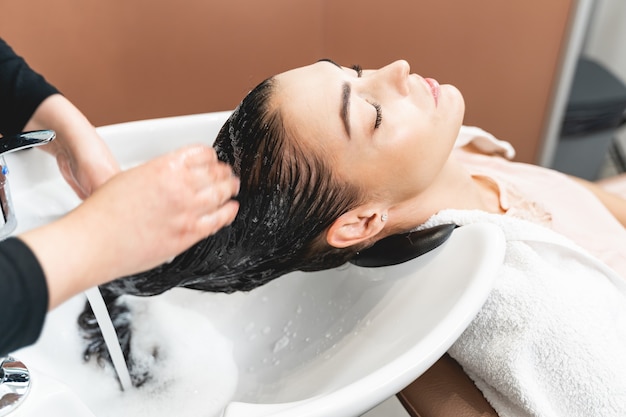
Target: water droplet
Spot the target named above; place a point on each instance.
(281, 344)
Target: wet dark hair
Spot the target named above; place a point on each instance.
(288, 198)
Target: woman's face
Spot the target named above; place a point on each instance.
(385, 130)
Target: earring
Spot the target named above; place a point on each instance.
(383, 217)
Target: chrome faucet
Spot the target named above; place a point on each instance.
(8, 222)
(14, 384)
(14, 376)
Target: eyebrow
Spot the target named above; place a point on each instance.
(345, 106)
(331, 61)
(346, 89)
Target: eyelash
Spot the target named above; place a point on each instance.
(379, 115)
(379, 110)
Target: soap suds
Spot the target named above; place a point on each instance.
(192, 366)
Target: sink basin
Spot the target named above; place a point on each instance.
(331, 343)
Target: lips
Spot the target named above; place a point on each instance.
(434, 88)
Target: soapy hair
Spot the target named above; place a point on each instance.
(288, 198)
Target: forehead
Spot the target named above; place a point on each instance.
(309, 98)
(318, 70)
(309, 84)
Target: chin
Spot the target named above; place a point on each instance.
(457, 103)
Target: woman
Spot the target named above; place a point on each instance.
(354, 152)
(332, 159)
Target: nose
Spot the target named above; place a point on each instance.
(397, 75)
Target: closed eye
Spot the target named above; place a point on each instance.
(379, 115)
(377, 107)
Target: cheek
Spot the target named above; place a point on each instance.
(419, 162)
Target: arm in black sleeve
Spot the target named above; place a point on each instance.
(21, 91)
(23, 296)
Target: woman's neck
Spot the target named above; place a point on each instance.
(454, 188)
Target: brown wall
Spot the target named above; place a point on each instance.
(122, 60)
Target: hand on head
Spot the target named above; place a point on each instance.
(165, 205)
(137, 220)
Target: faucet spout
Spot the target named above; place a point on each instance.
(25, 140)
(8, 222)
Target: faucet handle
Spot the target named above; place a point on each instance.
(25, 140)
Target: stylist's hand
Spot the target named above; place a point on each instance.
(87, 165)
(137, 220)
(84, 159)
(159, 209)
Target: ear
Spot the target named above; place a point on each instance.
(354, 226)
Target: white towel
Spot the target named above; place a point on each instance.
(485, 141)
(551, 338)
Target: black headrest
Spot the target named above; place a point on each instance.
(396, 249)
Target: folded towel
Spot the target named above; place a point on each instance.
(484, 141)
(551, 338)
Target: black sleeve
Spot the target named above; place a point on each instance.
(21, 91)
(23, 296)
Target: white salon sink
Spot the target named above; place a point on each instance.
(333, 343)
